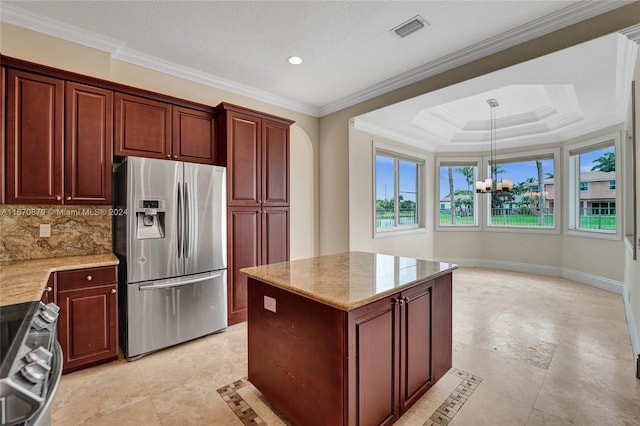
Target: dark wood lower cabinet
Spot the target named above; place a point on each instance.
(255, 236)
(87, 326)
(321, 365)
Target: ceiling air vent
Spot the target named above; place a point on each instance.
(410, 26)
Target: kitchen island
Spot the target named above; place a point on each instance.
(353, 338)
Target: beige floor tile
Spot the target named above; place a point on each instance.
(487, 407)
(136, 414)
(540, 418)
(195, 403)
(97, 391)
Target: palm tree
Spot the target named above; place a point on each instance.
(605, 163)
(467, 172)
(451, 195)
(542, 202)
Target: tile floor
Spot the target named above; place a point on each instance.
(540, 350)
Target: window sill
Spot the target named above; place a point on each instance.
(602, 235)
(399, 232)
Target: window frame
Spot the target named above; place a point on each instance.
(572, 177)
(477, 200)
(521, 157)
(401, 154)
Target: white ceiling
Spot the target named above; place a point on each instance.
(553, 98)
(349, 52)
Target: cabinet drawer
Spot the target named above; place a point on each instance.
(68, 280)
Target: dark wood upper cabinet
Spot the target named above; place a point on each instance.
(142, 127)
(244, 166)
(193, 135)
(35, 153)
(88, 144)
(275, 163)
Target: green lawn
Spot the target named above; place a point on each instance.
(586, 222)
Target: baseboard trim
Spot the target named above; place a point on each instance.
(633, 331)
(553, 271)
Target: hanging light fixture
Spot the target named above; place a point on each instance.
(491, 184)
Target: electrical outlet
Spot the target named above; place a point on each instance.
(45, 230)
(270, 303)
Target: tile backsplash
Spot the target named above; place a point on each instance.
(75, 230)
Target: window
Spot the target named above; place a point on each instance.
(397, 187)
(457, 197)
(592, 184)
(531, 204)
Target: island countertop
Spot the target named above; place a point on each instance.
(25, 280)
(349, 280)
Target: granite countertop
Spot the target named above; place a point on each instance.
(349, 280)
(25, 280)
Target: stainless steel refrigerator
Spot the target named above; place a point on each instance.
(170, 237)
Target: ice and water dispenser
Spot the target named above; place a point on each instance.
(150, 216)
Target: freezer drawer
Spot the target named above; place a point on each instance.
(167, 312)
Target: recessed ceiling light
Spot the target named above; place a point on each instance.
(294, 60)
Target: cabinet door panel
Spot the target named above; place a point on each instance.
(87, 326)
(244, 165)
(275, 164)
(243, 251)
(34, 139)
(193, 135)
(373, 365)
(442, 315)
(275, 235)
(143, 127)
(89, 142)
(415, 368)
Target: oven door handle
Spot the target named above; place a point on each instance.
(177, 283)
(42, 416)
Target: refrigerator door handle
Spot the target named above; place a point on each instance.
(177, 283)
(187, 220)
(180, 219)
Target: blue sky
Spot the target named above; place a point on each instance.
(517, 172)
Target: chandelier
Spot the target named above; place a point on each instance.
(491, 184)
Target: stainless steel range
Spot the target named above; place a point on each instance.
(30, 362)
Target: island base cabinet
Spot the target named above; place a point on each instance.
(296, 354)
(322, 365)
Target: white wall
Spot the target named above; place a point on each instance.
(631, 292)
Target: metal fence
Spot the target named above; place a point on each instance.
(601, 218)
(385, 218)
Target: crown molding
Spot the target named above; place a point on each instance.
(633, 33)
(144, 60)
(568, 16)
(42, 24)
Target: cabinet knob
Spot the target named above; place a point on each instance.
(68, 198)
(49, 289)
(89, 277)
(58, 198)
(175, 155)
(113, 290)
(168, 155)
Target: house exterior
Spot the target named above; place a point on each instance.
(597, 193)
